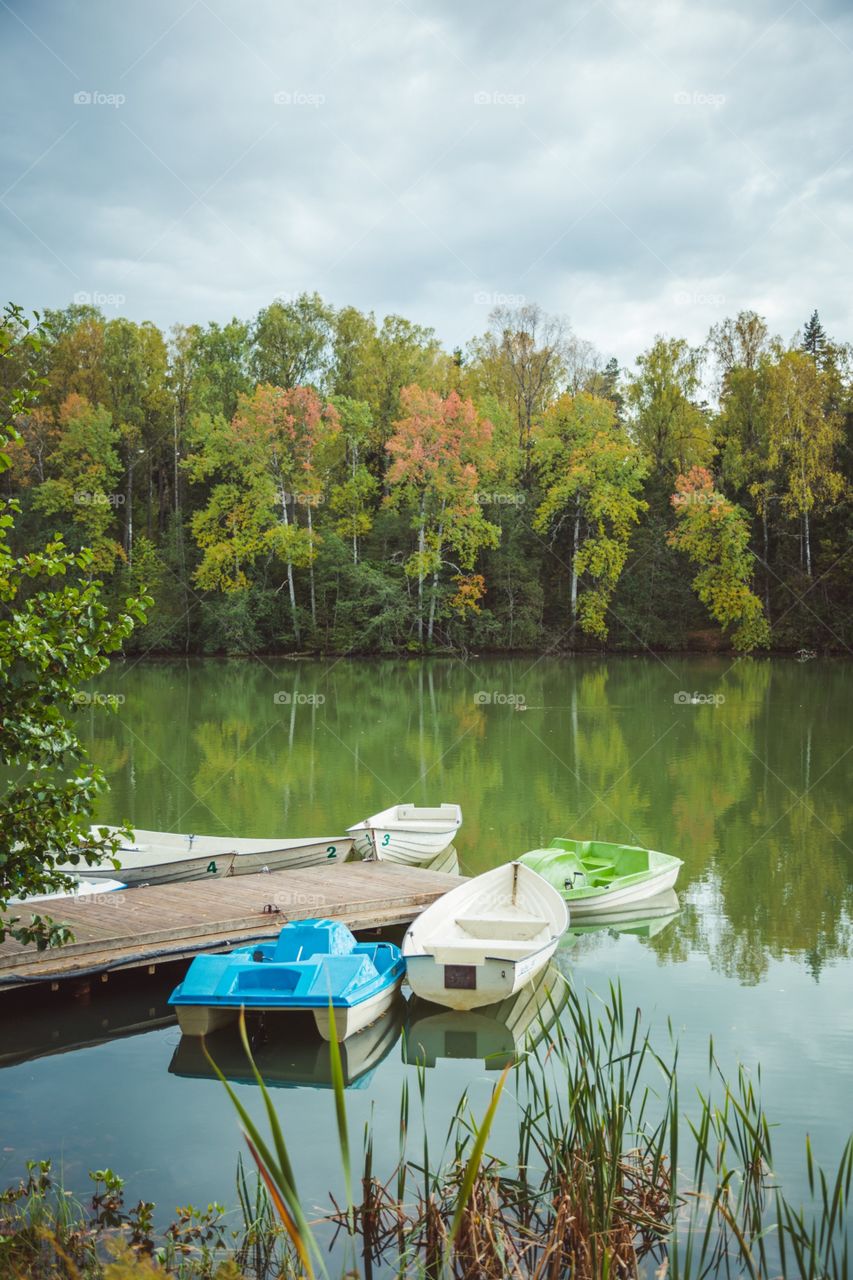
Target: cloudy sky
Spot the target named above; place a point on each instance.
(638, 168)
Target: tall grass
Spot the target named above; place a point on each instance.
(611, 1178)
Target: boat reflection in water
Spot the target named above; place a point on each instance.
(497, 1034)
(656, 915)
(288, 1052)
(646, 920)
(93, 1018)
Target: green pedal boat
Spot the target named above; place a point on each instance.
(595, 877)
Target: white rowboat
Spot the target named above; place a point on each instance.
(159, 857)
(407, 833)
(485, 940)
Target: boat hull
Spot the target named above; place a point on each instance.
(203, 1020)
(626, 899)
(411, 835)
(209, 857)
(409, 848)
(493, 980)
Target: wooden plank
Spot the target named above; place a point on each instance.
(133, 925)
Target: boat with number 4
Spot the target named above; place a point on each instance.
(597, 878)
(485, 940)
(408, 833)
(159, 857)
(313, 965)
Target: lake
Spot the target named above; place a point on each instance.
(740, 768)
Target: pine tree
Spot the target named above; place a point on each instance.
(814, 339)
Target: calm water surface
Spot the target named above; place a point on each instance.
(741, 769)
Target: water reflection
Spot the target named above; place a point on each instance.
(93, 1018)
(289, 1052)
(498, 1034)
(748, 788)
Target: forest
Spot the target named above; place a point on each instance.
(315, 480)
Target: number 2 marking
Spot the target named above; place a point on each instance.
(331, 850)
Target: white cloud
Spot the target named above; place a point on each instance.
(639, 169)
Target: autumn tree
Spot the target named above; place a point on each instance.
(714, 533)
(592, 475)
(437, 451)
(268, 463)
(84, 471)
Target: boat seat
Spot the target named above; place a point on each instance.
(598, 871)
(476, 950)
(514, 926)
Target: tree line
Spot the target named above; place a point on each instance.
(316, 480)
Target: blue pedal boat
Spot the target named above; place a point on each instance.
(311, 962)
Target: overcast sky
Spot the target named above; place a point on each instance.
(636, 167)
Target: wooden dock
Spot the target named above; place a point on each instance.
(157, 924)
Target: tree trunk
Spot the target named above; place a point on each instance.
(421, 547)
(574, 589)
(129, 547)
(766, 562)
(175, 457)
(807, 542)
(311, 571)
(435, 585)
(354, 534)
(290, 586)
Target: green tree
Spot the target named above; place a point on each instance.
(814, 341)
(55, 632)
(522, 360)
(669, 425)
(714, 533)
(803, 440)
(592, 474)
(291, 342)
(353, 499)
